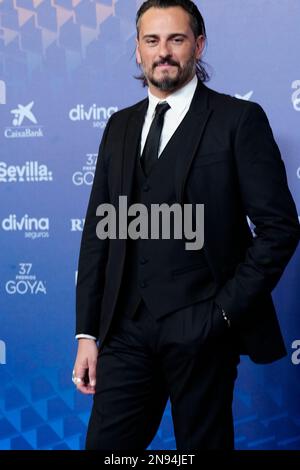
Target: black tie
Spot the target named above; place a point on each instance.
(150, 152)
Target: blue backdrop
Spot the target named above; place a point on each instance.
(65, 67)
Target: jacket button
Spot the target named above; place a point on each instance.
(143, 284)
(143, 260)
(146, 187)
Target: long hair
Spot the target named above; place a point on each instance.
(196, 22)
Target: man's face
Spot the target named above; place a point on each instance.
(167, 49)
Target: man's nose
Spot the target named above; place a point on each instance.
(164, 49)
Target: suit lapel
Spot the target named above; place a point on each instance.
(191, 128)
(131, 147)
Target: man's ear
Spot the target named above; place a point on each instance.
(137, 52)
(200, 44)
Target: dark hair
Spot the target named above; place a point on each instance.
(196, 22)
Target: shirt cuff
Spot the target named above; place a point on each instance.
(85, 336)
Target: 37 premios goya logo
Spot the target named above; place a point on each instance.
(26, 282)
(86, 175)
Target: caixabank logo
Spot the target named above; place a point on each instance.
(24, 123)
(25, 282)
(30, 172)
(30, 227)
(85, 176)
(96, 115)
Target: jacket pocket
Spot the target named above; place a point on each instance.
(210, 158)
(187, 269)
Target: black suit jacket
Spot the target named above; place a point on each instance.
(232, 165)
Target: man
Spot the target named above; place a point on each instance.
(172, 322)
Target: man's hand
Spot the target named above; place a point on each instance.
(85, 366)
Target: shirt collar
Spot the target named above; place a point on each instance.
(178, 101)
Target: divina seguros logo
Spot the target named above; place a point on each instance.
(98, 115)
(32, 228)
(30, 172)
(25, 282)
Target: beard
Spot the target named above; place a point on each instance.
(167, 83)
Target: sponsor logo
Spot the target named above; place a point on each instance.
(2, 92)
(23, 114)
(296, 353)
(296, 95)
(245, 97)
(2, 352)
(77, 225)
(86, 175)
(25, 282)
(31, 227)
(30, 172)
(98, 115)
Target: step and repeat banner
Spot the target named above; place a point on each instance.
(65, 67)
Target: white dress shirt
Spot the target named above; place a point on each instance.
(179, 102)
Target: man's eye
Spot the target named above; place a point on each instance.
(177, 40)
(151, 42)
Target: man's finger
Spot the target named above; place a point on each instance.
(85, 389)
(80, 372)
(92, 374)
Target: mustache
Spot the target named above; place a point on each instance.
(165, 62)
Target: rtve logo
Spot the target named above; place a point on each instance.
(77, 225)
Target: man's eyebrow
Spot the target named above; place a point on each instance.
(171, 36)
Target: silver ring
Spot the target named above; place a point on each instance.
(75, 380)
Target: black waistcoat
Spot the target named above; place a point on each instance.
(161, 271)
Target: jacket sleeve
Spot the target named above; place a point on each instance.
(93, 251)
(268, 203)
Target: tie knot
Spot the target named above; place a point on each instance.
(161, 108)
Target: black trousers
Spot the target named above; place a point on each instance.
(188, 356)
